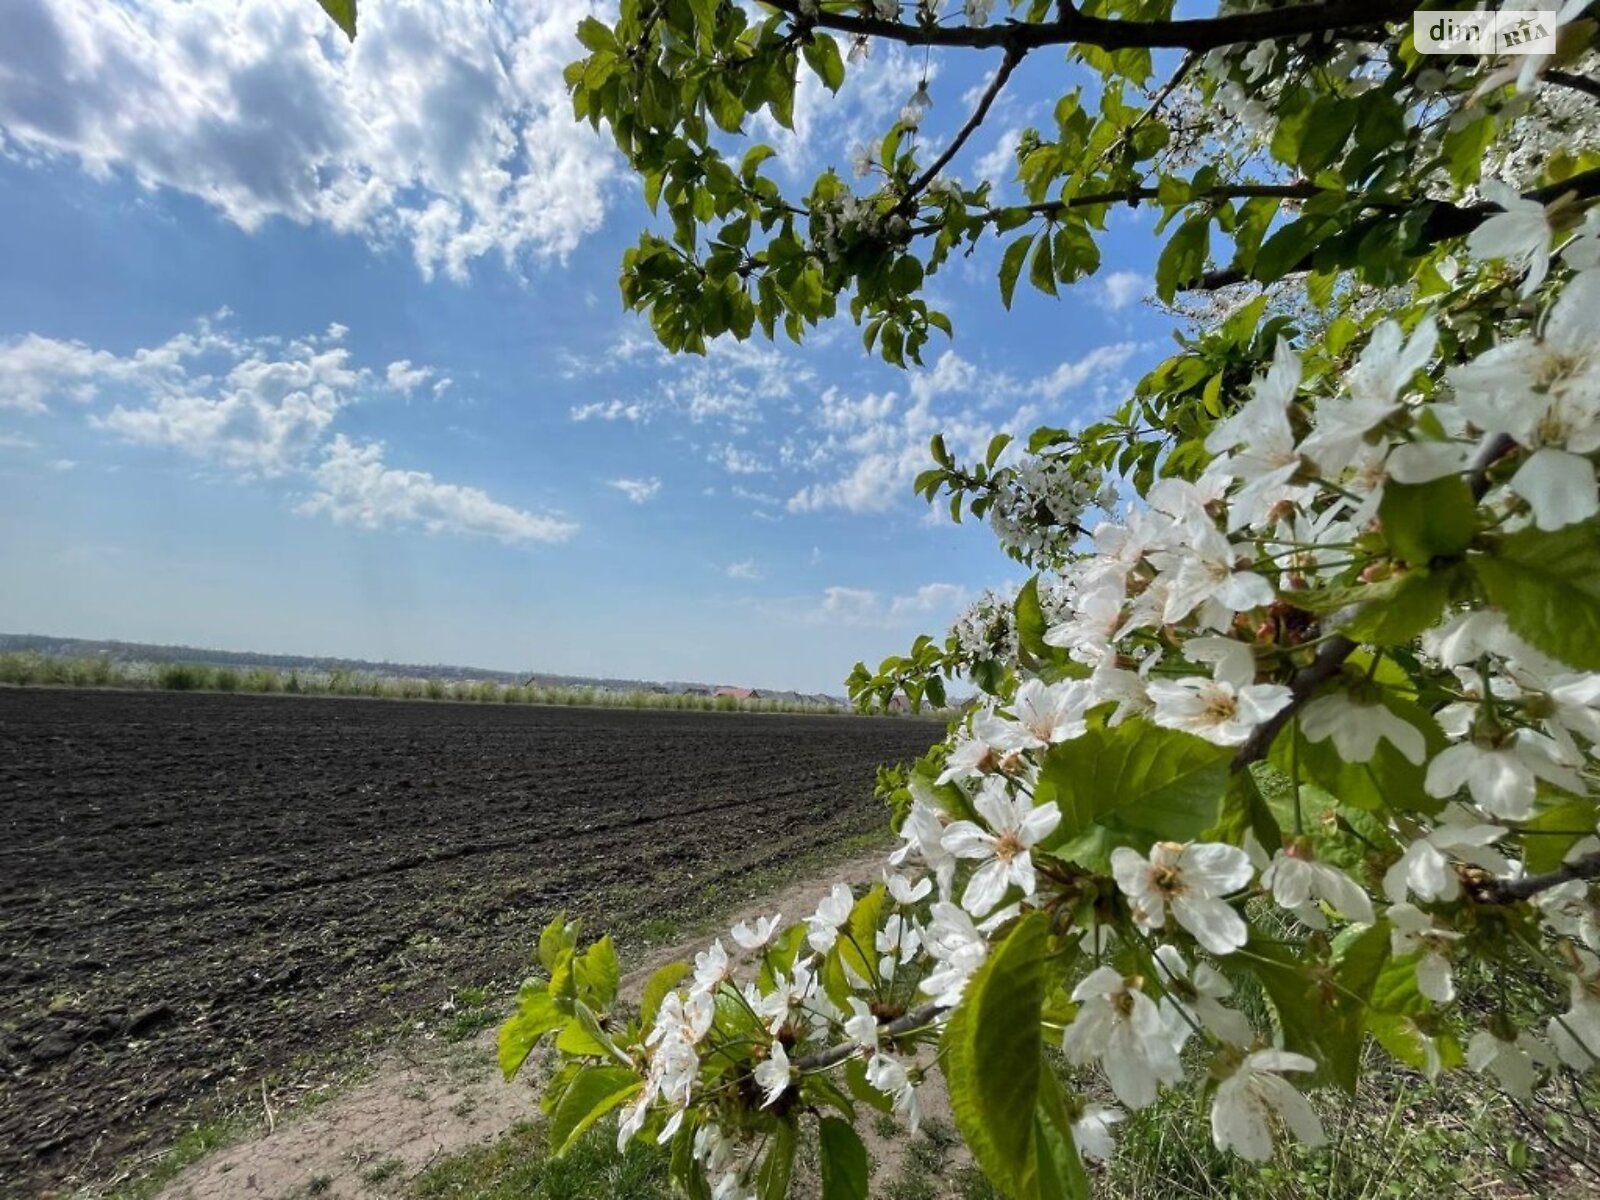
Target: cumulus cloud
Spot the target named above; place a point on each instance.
(868, 449)
(864, 606)
(739, 462)
(264, 407)
(607, 410)
(1096, 366)
(405, 378)
(745, 569)
(1000, 163)
(640, 491)
(355, 486)
(445, 127)
(17, 441)
(1123, 288)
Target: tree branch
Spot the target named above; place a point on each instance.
(1508, 891)
(1578, 83)
(1073, 27)
(1338, 648)
(834, 1055)
(1445, 220)
(1007, 65)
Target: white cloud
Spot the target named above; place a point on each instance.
(405, 378)
(1123, 288)
(739, 462)
(266, 415)
(446, 127)
(607, 410)
(863, 606)
(640, 491)
(867, 450)
(745, 569)
(264, 407)
(1094, 366)
(1000, 163)
(354, 486)
(16, 441)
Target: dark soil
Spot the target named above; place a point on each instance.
(202, 893)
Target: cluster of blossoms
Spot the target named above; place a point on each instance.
(841, 222)
(986, 631)
(1040, 506)
(1193, 617)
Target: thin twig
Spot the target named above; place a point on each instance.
(1007, 65)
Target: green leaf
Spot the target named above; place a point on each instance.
(593, 1093)
(343, 13)
(1042, 270)
(599, 973)
(1413, 605)
(1011, 267)
(1549, 586)
(1425, 521)
(1137, 776)
(844, 1161)
(1059, 1172)
(1322, 1013)
(536, 1016)
(772, 1180)
(1183, 258)
(558, 938)
(1030, 621)
(822, 52)
(1549, 835)
(655, 991)
(994, 1052)
(1389, 780)
(1245, 810)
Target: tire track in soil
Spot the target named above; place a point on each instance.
(199, 892)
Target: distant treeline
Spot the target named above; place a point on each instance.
(31, 668)
(144, 654)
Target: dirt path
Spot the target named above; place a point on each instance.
(428, 1102)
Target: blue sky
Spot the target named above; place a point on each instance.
(307, 349)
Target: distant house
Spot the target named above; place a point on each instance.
(738, 693)
(899, 703)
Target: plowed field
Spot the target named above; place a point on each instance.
(200, 892)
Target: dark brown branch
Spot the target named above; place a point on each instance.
(1355, 17)
(996, 86)
(1578, 83)
(1509, 891)
(1445, 220)
(834, 1055)
(1330, 658)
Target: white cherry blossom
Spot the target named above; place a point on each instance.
(1502, 778)
(1224, 709)
(1255, 1098)
(1297, 881)
(1190, 880)
(1200, 993)
(1123, 1029)
(1356, 728)
(1091, 1132)
(1514, 1064)
(1050, 713)
(1001, 849)
(1575, 1034)
(1519, 233)
(1425, 870)
(753, 935)
(822, 928)
(773, 1074)
(1413, 932)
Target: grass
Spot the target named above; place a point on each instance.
(518, 1167)
(189, 1147)
(36, 670)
